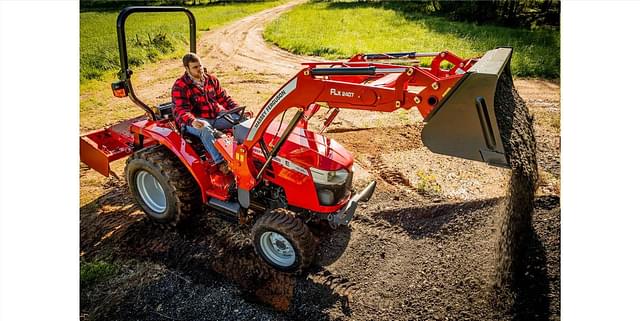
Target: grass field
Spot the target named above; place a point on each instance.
(339, 30)
(150, 37)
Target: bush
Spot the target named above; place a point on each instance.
(428, 184)
(95, 272)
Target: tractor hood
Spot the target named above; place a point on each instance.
(309, 149)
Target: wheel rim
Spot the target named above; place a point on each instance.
(277, 249)
(151, 192)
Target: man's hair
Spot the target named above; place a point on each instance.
(190, 57)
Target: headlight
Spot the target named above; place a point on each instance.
(338, 177)
(326, 197)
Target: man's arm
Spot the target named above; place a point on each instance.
(182, 110)
(222, 98)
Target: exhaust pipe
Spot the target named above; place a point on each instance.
(467, 123)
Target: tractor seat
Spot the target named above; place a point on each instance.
(195, 143)
(241, 130)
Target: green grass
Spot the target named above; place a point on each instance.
(339, 30)
(150, 36)
(96, 272)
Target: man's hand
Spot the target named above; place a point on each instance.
(198, 123)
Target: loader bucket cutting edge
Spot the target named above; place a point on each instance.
(465, 122)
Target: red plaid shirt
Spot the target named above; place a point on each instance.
(192, 102)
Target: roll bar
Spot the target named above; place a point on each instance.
(125, 73)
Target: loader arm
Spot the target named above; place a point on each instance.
(457, 104)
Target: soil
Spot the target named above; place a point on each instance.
(407, 262)
(409, 254)
(515, 228)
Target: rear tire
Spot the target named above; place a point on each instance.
(284, 241)
(162, 186)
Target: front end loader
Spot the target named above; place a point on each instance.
(283, 175)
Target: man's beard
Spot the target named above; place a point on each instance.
(201, 78)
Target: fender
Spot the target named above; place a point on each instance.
(174, 142)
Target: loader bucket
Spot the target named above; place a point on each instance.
(473, 121)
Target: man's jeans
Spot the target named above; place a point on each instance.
(206, 135)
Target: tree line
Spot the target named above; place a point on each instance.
(519, 14)
(90, 5)
(524, 13)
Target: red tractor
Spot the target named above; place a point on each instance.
(284, 176)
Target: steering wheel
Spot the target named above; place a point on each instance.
(228, 115)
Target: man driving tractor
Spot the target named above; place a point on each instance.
(199, 99)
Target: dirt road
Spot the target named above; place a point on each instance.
(241, 46)
(421, 249)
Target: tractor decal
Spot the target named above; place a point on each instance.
(284, 92)
(284, 162)
(335, 92)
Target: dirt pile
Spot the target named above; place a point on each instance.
(515, 223)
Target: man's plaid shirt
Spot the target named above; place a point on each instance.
(193, 102)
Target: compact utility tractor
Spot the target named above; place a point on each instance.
(284, 176)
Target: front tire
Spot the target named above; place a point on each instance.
(284, 241)
(162, 186)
